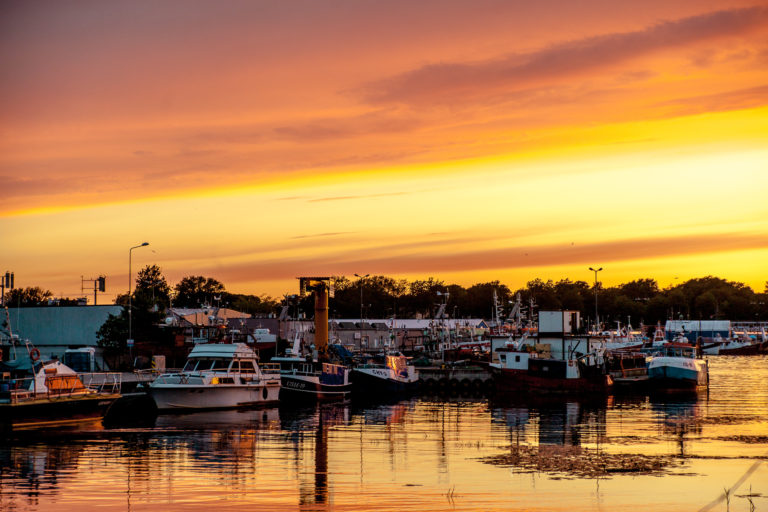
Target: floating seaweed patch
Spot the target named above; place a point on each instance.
(578, 462)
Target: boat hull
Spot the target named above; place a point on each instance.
(673, 373)
(752, 349)
(178, 397)
(512, 380)
(381, 381)
(309, 387)
(60, 411)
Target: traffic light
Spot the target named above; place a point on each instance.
(102, 283)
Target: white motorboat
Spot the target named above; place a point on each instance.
(218, 376)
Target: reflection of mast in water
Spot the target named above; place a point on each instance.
(315, 495)
(680, 419)
(321, 463)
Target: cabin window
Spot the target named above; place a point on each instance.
(204, 364)
(220, 364)
(190, 366)
(517, 359)
(247, 367)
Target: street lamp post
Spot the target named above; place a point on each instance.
(597, 322)
(361, 307)
(130, 305)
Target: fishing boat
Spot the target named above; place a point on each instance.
(218, 376)
(519, 370)
(738, 345)
(52, 395)
(628, 368)
(394, 375)
(676, 367)
(305, 378)
(312, 380)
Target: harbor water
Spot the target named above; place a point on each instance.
(702, 451)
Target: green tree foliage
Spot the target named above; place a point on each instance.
(252, 304)
(194, 291)
(478, 301)
(152, 290)
(543, 294)
(423, 298)
(149, 299)
(27, 297)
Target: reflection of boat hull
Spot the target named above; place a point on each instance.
(181, 397)
(512, 380)
(60, 411)
(366, 381)
(262, 417)
(309, 387)
(678, 373)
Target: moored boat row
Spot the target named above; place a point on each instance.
(672, 367)
(221, 376)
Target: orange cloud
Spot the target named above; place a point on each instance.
(418, 261)
(471, 82)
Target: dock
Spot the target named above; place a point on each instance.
(444, 378)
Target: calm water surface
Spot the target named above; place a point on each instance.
(430, 453)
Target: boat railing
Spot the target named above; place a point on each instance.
(150, 374)
(270, 368)
(22, 389)
(104, 382)
(16, 390)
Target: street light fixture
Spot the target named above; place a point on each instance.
(596, 270)
(361, 307)
(130, 308)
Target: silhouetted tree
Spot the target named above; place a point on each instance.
(27, 297)
(194, 291)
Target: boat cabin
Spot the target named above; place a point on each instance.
(222, 358)
(679, 350)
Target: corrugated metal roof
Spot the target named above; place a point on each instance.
(66, 325)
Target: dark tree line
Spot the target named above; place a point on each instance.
(639, 301)
(382, 297)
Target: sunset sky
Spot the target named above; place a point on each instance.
(255, 142)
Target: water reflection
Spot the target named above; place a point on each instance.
(35, 469)
(569, 437)
(680, 418)
(309, 430)
(434, 452)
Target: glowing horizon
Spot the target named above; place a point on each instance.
(256, 142)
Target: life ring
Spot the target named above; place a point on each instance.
(34, 354)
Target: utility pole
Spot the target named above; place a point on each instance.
(99, 285)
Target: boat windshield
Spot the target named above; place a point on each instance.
(203, 364)
(677, 351)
